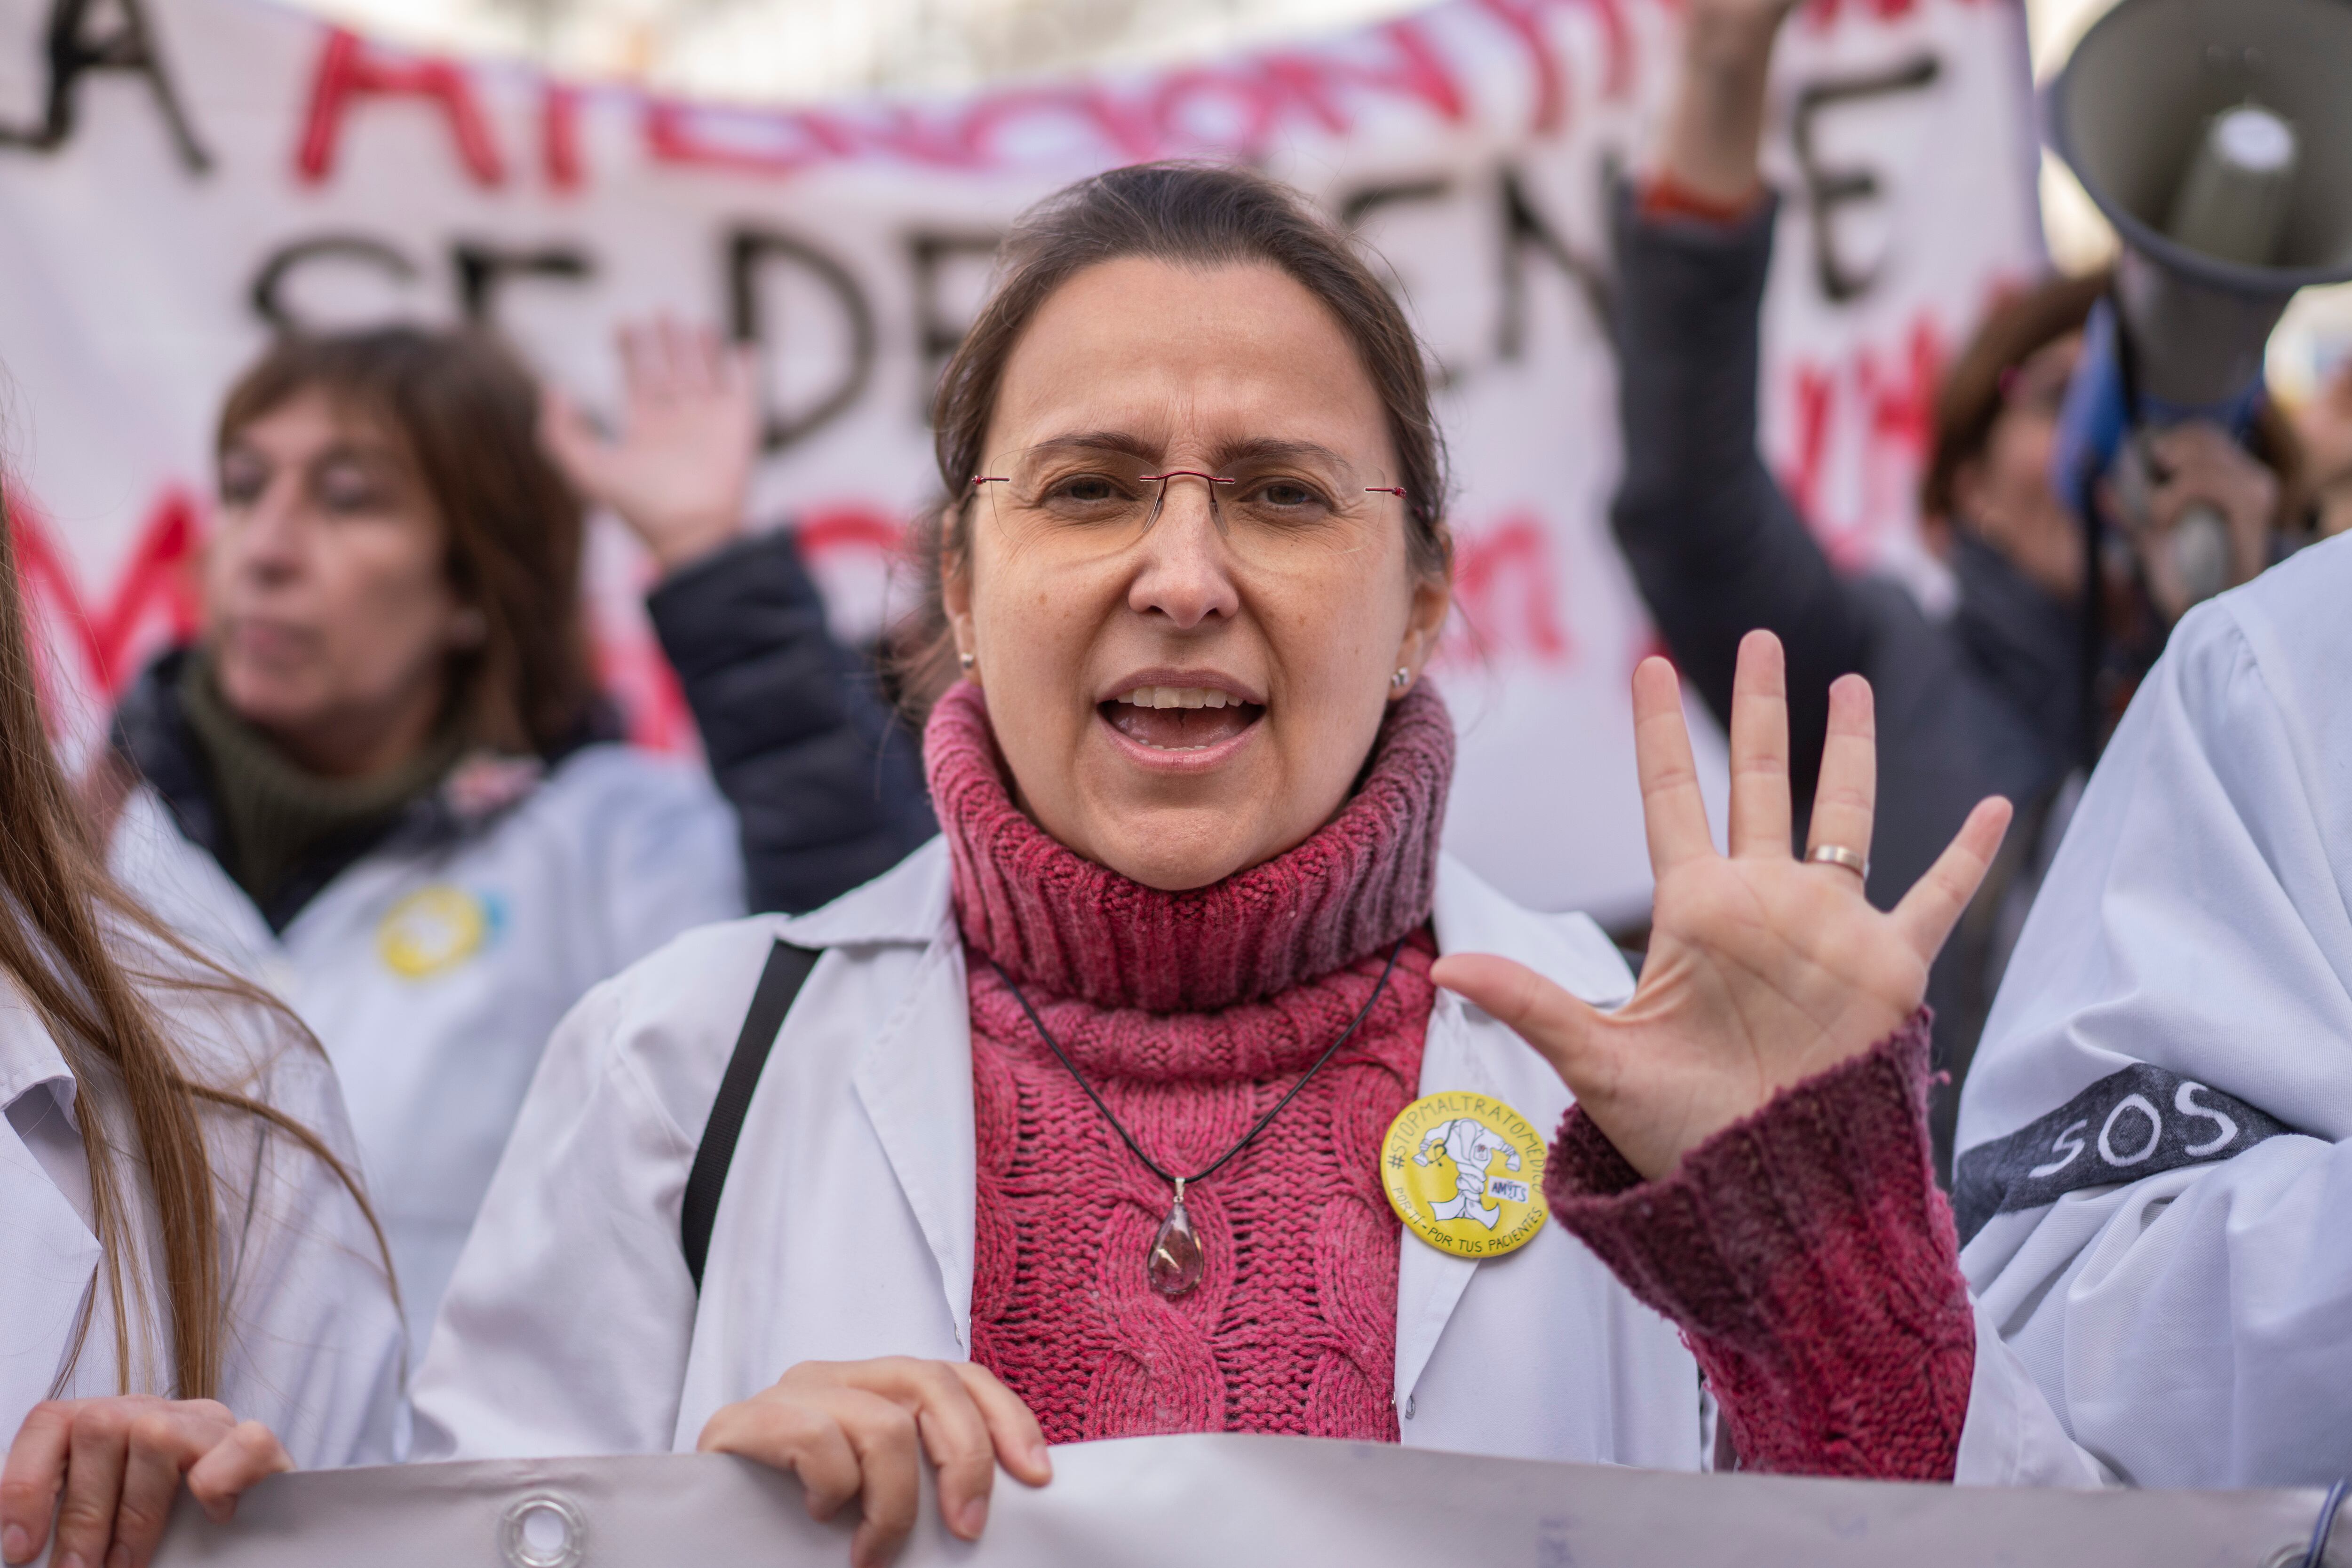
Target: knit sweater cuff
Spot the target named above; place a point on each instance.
(1811, 1262)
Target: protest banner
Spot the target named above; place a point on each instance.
(179, 180)
(1241, 1501)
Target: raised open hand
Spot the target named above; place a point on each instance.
(678, 473)
(1752, 22)
(1715, 126)
(1763, 970)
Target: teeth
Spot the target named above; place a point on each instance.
(1178, 697)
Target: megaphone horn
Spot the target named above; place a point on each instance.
(2216, 136)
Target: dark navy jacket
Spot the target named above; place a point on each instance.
(826, 783)
(1987, 701)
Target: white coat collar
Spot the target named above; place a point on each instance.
(913, 902)
(29, 1057)
(1471, 917)
(52, 1255)
(1468, 1050)
(924, 1119)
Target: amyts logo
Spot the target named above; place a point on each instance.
(1465, 1173)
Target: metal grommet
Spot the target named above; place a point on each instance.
(543, 1531)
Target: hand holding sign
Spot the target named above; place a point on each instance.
(109, 1469)
(860, 1428)
(1763, 970)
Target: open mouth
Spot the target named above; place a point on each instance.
(1179, 718)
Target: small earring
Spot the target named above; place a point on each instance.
(1402, 679)
(966, 660)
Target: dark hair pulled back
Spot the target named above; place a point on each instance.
(1194, 215)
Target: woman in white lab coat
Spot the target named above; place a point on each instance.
(383, 783)
(1127, 1108)
(190, 1282)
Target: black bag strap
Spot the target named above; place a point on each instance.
(786, 971)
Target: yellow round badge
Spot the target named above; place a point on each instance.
(1464, 1172)
(432, 929)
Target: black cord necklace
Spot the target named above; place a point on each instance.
(1176, 1261)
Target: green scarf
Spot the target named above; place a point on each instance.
(273, 811)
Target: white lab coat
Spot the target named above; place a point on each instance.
(2192, 1327)
(846, 1228)
(315, 1347)
(434, 971)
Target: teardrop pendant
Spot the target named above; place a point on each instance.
(1175, 1262)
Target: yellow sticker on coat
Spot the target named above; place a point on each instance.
(1464, 1172)
(432, 929)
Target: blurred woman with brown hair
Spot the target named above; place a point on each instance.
(190, 1279)
(384, 785)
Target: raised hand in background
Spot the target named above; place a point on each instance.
(1716, 123)
(1763, 970)
(679, 469)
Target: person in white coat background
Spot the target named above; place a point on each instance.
(1096, 1117)
(2157, 1140)
(384, 784)
(190, 1280)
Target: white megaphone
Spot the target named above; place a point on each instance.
(2216, 136)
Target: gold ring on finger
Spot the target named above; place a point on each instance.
(1839, 855)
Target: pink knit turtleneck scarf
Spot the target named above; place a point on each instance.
(1192, 1013)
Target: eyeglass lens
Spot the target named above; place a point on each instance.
(1275, 507)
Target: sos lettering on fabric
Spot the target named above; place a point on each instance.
(2129, 1125)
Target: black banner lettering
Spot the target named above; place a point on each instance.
(75, 49)
(1364, 203)
(749, 252)
(1827, 190)
(1524, 228)
(482, 269)
(938, 329)
(268, 295)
